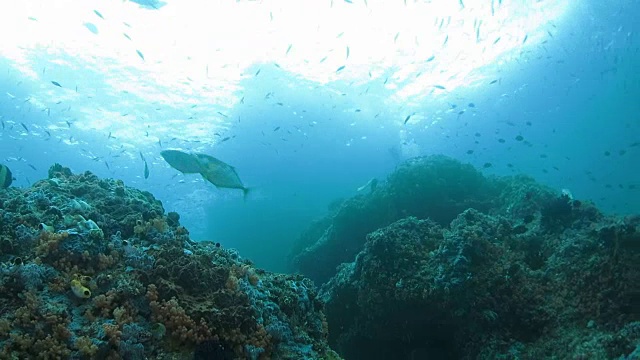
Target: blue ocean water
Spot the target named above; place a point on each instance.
(310, 101)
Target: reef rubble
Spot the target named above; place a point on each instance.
(91, 268)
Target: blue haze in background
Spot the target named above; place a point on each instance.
(303, 131)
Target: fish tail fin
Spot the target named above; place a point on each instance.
(245, 192)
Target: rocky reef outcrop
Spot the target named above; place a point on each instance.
(91, 268)
(443, 263)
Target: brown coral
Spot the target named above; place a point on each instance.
(180, 325)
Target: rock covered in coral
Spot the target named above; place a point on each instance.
(530, 274)
(90, 268)
(435, 187)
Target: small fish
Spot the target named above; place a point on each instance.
(258, 72)
(525, 39)
(25, 127)
(146, 169)
(56, 84)
(340, 68)
(91, 27)
(371, 184)
(225, 139)
(347, 52)
(395, 38)
(288, 49)
(496, 40)
(98, 13)
(221, 114)
(127, 36)
(519, 138)
(32, 18)
(493, 82)
(68, 124)
(33, 167)
(276, 128)
(487, 165)
(471, 105)
(140, 54)
(430, 59)
(142, 157)
(6, 178)
(439, 87)
(107, 165)
(446, 39)
(407, 119)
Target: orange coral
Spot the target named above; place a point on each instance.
(113, 333)
(124, 314)
(160, 224)
(86, 346)
(105, 303)
(152, 292)
(232, 283)
(48, 242)
(179, 324)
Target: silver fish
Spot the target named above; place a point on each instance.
(220, 173)
(215, 171)
(181, 161)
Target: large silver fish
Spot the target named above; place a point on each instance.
(182, 161)
(220, 173)
(215, 171)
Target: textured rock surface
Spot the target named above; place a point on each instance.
(90, 268)
(496, 268)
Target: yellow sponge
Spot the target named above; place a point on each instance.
(80, 290)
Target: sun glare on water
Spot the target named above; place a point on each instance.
(198, 51)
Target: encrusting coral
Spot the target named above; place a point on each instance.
(90, 268)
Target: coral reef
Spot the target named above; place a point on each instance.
(442, 263)
(90, 268)
(436, 187)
